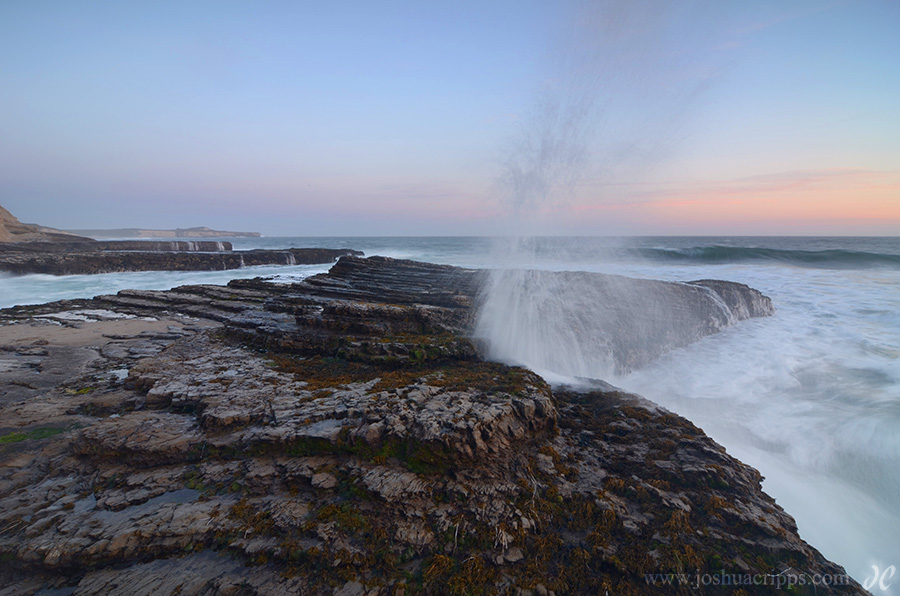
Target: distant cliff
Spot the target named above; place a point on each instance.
(29, 248)
(12, 230)
(201, 232)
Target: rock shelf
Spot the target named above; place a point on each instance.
(113, 257)
(343, 435)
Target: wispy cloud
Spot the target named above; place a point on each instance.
(791, 198)
(761, 185)
(789, 15)
(795, 181)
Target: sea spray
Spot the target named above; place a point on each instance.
(612, 75)
(584, 324)
(536, 320)
(831, 459)
(810, 397)
(621, 84)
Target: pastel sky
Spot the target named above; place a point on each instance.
(453, 118)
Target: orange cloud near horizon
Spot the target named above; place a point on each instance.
(857, 200)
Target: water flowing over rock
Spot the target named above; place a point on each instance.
(343, 436)
(591, 324)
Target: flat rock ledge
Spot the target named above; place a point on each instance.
(321, 438)
(66, 258)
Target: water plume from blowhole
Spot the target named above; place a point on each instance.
(606, 114)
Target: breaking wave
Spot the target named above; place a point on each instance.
(826, 259)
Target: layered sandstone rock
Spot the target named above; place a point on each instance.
(331, 437)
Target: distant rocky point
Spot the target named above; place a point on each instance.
(12, 230)
(30, 248)
(199, 232)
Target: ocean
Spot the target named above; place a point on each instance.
(809, 396)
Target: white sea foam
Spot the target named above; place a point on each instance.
(811, 397)
(40, 288)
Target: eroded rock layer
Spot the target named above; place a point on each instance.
(325, 438)
(104, 257)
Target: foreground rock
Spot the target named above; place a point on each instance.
(342, 436)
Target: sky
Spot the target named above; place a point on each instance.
(453, 118)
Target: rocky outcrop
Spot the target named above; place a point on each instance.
(165, 246)
(632, 320)
(26, 248)
(20, 261)
(398, 281)
(322, 438)
(12, 230)
(116, 245)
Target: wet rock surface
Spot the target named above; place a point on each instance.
(343, 436)
(88, 245)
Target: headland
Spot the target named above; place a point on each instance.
(195, 232)
(28, 248)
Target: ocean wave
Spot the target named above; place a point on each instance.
(826, 259)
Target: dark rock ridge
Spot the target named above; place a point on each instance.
(28, 248)
(635, 320)
(110, 257)
(165, 245)
(331, 437)
(89, 245)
